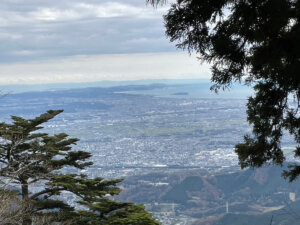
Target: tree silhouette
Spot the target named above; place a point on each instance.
(257, 43)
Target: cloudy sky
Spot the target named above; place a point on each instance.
(88, 40)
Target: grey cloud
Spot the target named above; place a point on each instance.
(38, 29)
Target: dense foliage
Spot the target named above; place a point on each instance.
(255, 42)
(33, 163)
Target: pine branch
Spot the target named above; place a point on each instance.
(46, 191)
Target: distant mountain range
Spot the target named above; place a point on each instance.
(102, 84)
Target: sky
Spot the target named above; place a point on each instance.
(88, 40)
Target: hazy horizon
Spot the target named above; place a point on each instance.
(66, 42)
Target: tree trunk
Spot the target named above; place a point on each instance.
(25, 192)
(25, 197)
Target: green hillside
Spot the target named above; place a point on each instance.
(252, 195)
(179, 193)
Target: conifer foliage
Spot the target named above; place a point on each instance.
(255, 42)
(32, 162)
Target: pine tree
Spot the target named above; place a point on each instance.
(32, 160)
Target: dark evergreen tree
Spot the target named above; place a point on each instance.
(31, 160)
(256, 42)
